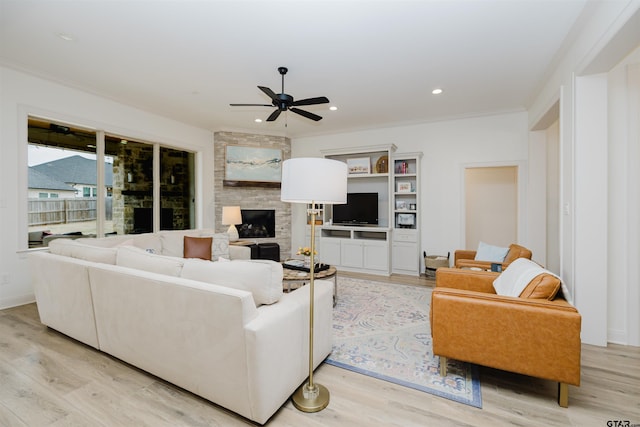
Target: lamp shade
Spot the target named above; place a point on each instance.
(231, 215)
(314, 180)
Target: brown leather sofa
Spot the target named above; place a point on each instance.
(465, 258)
(536, 337)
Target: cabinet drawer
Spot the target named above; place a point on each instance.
(403, 236)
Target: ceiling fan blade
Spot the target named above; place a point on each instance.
(274, 115)
(312, 101)
(269, 93)
(251, 105)
(306, 114)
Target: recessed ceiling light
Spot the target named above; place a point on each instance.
(333, 108)
(66, 37)
(436, 91)
(123, 141)
(258, 120)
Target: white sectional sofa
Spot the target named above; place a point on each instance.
(222, 330)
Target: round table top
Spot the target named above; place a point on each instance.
(289, 274)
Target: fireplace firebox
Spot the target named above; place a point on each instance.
(257, 223)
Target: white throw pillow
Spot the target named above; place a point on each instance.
(219, 246)
(263, 279)
(140, 259)
(490, 253)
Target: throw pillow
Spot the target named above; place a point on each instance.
(543, 286)
(198, 247)
(490, 253)
(220, 247)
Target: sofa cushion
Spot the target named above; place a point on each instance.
(263, 279)
(150, 242)
(140, 259)
(525, 278)
(81, 250)
(490, 253)
(197, 247)
(543, 286)
(173, 241)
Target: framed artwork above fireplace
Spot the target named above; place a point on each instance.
(246, 166)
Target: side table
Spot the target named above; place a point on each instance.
(300, 278)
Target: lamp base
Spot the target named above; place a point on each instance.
(233, 233)
(310, 400)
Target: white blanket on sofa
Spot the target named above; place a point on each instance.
(517, 276)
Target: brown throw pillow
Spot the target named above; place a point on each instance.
(198, 247)
(543, 286)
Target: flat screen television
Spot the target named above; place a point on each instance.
(360, 209)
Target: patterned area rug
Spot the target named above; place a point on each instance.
(382, 330)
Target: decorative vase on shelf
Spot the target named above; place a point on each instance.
(307, 261)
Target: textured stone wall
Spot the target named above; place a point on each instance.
(252, 197)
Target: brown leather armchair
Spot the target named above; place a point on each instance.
(535, 337)
(465, 258)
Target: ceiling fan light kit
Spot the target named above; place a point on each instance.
(285, 102)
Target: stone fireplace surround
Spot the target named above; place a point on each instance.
(252, 197)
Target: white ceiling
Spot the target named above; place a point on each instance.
(377, 61)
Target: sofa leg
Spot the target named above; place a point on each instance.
(563, 395)
(443, 366)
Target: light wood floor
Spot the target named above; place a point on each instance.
(48, 379)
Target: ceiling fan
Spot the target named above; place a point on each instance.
(284, 102)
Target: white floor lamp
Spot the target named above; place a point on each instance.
(313, 181)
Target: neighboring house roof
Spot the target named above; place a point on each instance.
(75, 170)
(45, 182)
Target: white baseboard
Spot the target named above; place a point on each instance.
(16, 301)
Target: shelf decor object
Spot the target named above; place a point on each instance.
(361, 165)
(404, 187)
(382, 165)
(313, 180)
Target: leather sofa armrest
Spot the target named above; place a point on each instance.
(471, 280)
(472, 263)
(463, 254)
(533, 337)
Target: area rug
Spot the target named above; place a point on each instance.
(382, 330)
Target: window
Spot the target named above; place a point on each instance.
(64, 158)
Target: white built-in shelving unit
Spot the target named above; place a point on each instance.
(405, 249)
(362, 248)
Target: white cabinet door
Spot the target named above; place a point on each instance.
(376, 256)
(352, 255)
(329, 252)
(405, 257)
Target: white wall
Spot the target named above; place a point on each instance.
(608, 32)
(491, 206)
(448, 146)
(624, 202)
(23, 95)
(591, 205)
